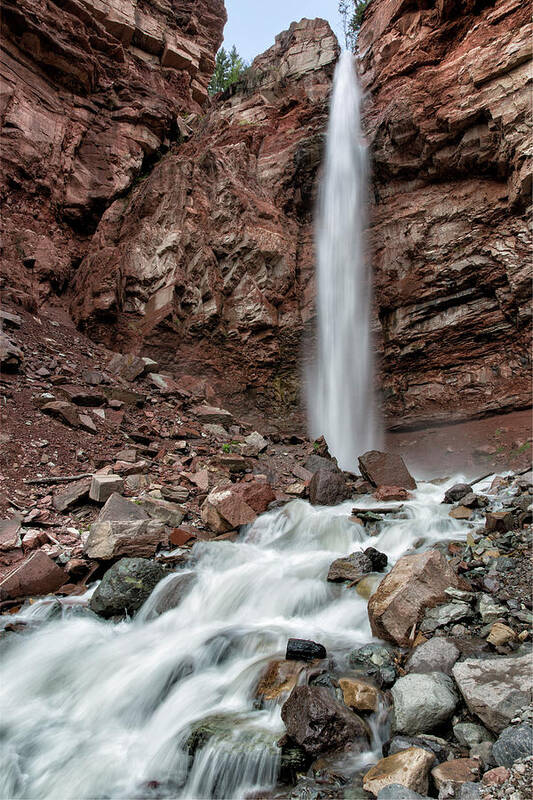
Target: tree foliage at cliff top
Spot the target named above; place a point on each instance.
(228, 69)
(352, 12)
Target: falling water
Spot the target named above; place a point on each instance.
(92, 709)
(340, 388)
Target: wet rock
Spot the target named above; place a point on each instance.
(293, 760)
(436, 655)
(422, 702)
(472, 500)
(389, 494)
(395, 791)
(318, 722)
(118, 508)
(409, 768)
(327, 488)
(103, 486)
(454, 773)
(304, 650)
(72, 494)
(379, 560)
(495, 688)
(376, 661)
(128, 366)
(499, 521)
(279, 678)
(169, 593)
(11, 356)
(385, 469)
(444, 614)
(116, 538)
(63, 411)
(439, 747)
(513, 743)
(457, 492)
(352, 568)
(359, 695)
(125, 587)
(36, 575)
(460, 512)
(414, 584)
(217, 726)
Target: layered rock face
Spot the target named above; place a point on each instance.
(448, 120)
(209, 261)
(91, 94)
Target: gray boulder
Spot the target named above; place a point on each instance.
(513, 743)
(125, 587)
(327, 488)
(318, 722)
(395, 791)
(470, 734)
(495, 688)
(119, 508)
(423, 702)
(349, 568)
(457, 492)
(133, 538)
(436, 655)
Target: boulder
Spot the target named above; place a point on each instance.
(499, 521)
(36, 575)
(359, 695)
(163, 511)
(500, 634)
(11, 356)
(279, 678)
(316, 462)
(454, 773)
(304, 650)
(436, 655)
(327, 488)
(438, 747)
(169, 593)
(118, 508)
(103, 486)
(457, 492)
(385, 469)
(125, 587)
(495, 688)
(513, 743)
(351, 568)
(127, 365)
(496, 776)
(116, 538)
(228, 507)
(72, 494)
(318, 722)
(409, 768)
(414, 584)
(422, 702)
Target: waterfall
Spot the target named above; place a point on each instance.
(340, 388)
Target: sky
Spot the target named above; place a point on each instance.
(253, 24)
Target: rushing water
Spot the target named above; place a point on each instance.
(89, 709)
(340, 387)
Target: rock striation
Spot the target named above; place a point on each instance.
(449, 128)
(93, 91)
(209, 260)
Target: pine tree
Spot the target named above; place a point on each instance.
(352, 12)
(228, 69)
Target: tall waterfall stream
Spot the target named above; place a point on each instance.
(92, 709)
(341, 385)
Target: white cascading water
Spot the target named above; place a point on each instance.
(92, 709)
(340, 387)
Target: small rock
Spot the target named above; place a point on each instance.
(9, 534)
(127, 366)
(422, 702)
(163, 511)
(470, 734)
(500, 634)
(218, 416)
(304, 650)
(444, 614)
(457, 492)
(359, 695)
(499, 521)
(279, 678)
(11, 356)
(318, 722)
(103, 486)
(460, 512)
(351, 568)
(496, 776)
(513, 743)
(436, 655)
(395, 791)
(125, 587)
(456, 772)
(387, 494)
(409, 768)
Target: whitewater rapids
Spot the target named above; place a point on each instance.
(92, 709)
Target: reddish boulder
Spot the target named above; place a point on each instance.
(36, 575)
(385, 469)
(391, 494)
(229, 507)
(327, 488)
(414, 584)
(63, 411)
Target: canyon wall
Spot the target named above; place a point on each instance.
(92, 91)
(449, 125)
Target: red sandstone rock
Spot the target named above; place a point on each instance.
(36, 575)
(385, 469)
(391, 493)
(229, 507)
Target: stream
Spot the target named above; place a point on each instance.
(92, 709)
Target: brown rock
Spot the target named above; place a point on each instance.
(359, 695)
(63, 411)
(501, 634)
(385, 469)
(279, 678)
(327, 488)
(119, 509)
(501, 521)
(181, 536)
(496, 776)
(414, 584)
(11, 356)
(9, 534)
(460, 512)
(391, 493)
(116, 538)
(456, 772)
(318, 722)
(72, 494)
(36, 575)
(229, 507)
(409, 768)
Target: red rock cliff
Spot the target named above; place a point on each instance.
(449, 123)
(91, 92)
